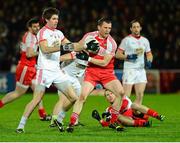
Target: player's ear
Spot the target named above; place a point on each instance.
(98, 27)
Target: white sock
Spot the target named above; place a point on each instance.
(22, 122)
(61, 116)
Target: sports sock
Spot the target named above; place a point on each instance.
(1, 104)
(54, 117)
(139, 123)
(61, 116)
(74, 117)
(22, 122)
(42, 113)
(152, 113)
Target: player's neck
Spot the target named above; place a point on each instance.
(136, 36)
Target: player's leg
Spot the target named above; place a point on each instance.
(127, 89)
(139, 90)
(60, 109)
(37, 96)
(41, 110)
(147, 111)
(87, 87)
(11, 96)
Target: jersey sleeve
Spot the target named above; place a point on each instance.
(30, 41)
(147, 46)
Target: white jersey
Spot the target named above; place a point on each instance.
(74, 68)
(132, 45)
(49, 61)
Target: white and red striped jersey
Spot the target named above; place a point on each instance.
(29, 40)
(135, 45)
(107, 46)
(49, 61)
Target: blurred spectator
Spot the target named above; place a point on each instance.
(160, 19)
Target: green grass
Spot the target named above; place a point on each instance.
(38, 131)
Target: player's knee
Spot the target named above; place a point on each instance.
(121, 92)
(82, 98)
(134, 106)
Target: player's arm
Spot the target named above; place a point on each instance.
(68, 56)
(31, 53)
(149, 56)
(121, 56)
(149, 59)
(69, 46)
(55, 47)
(101, 62)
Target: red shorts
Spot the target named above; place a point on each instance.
(128, 113)
(102, 76)
(25, 74)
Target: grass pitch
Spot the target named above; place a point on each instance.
(39, 131)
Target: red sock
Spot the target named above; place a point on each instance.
(1, 104)
(152, 113)
(139, 123)
(42, 112)
(73, 118)
(146, 117)
(104, 123)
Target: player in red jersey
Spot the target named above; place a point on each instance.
(26, 70)
(99, 70)
(127, 116)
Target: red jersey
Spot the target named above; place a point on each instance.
(29, 40)
(107, 46)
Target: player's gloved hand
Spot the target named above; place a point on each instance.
(95, 115)
(132, 57)
(67, 47)
(82, 56)
(92, 47)
(107, 116)
(148, 64)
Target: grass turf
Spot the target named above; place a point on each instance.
(38, 131)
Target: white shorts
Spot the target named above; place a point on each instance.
(76, 85)
(134, 76)
(46, 77)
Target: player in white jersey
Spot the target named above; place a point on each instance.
(132, 49)
(75, 68)
(48, 70)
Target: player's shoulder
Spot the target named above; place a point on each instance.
(144, 38)
(93, 33)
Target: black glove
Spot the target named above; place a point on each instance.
(148, 64)
(93, 46)
(107, 116)
(95, 115)
(132, 57)
(82, 56)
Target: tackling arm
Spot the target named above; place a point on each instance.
(104, 62)
(49, 49)
(31, 53)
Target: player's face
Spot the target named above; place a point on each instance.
(53, 21)
(35, 28)
(110, 96)
(104, 29)
(136, 29)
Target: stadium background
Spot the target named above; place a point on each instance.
(160, 21)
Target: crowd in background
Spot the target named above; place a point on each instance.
(160, 21)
